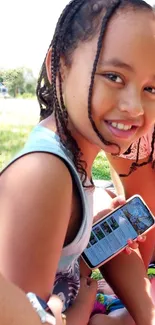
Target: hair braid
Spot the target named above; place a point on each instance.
(60, 110)
(80, 21)
(108, 15)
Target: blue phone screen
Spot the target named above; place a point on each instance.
(112, 233)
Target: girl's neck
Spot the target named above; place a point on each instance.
(88, 150)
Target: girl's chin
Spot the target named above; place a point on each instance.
(116, 150)
(112, 149)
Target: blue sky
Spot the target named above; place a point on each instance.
(26, 31)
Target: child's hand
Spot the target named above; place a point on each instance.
(55, 305)
(115, 203)
(80, 311)
(86, 298)
(134, 244)
(87, 293)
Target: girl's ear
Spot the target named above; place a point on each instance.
(63, 67)
(48, 65)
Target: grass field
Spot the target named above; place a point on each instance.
(17, 118)
(12, 139)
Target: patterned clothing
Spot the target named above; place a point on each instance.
(67, 284)
(144, 149)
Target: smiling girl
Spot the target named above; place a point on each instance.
(96, 91)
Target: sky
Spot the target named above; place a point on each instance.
(26, 29)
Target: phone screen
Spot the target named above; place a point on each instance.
(111, 234)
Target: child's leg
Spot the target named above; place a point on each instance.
(147, 249)
(117, 317)
(153, 289)
(102, 320)
(104, 287)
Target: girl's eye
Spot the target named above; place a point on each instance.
(150, 90)
(113, 77)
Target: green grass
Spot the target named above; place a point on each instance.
(12, 139)
(96, 275)
(101, 168)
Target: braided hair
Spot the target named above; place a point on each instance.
(80, 21)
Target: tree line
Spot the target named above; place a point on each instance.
(18, 81)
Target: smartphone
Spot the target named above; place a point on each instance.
(109, 235)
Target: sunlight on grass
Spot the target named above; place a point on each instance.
(101, 167)
(12, 139)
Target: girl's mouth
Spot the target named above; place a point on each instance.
(121, 130)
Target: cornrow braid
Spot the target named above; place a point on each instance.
(108, 15)
(80, 21)
(60, 110)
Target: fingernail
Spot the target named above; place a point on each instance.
(128, 251)
(121, 198)
(142, 237)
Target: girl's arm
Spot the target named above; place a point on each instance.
(35, 209)
(15, 308)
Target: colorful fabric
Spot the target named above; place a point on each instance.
(151, 270)
(105, 304)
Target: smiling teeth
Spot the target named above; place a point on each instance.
(121, 126)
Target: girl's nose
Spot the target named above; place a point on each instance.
(131, 103)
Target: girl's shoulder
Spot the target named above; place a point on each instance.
(43, 140)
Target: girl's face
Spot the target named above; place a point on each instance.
(123, 100)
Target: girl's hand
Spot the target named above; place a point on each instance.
(55, 305)
(134, 244)
(80, 311)
(115, 203)
(87, 294)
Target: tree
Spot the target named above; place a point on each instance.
(13, 80)
(19, 81)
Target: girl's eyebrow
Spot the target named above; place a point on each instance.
(120, 64)
(117, 63)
